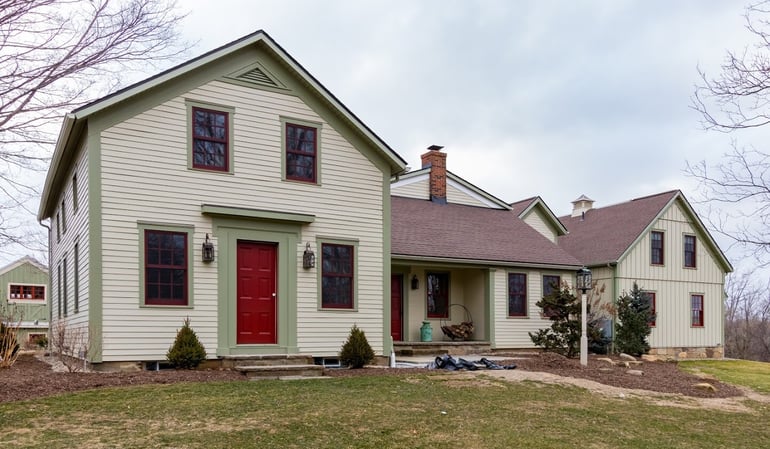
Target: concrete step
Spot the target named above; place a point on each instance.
(281, 371)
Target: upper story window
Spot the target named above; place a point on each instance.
(689, 251)
(26, 292)
(337, 277)
(165, 268)
(75, 192)
(656, 248)
(437, 292)
(696, 308)
(301, 152)
(58, 228)
(517, 294)
(210, 139)
(63, 219)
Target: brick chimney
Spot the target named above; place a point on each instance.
(582, 205)
(436, 160)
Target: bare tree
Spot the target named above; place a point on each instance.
(747, 318)
(56, 55)
(738, 188)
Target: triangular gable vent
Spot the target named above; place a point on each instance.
(256, 74)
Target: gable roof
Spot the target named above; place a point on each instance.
(74, 121)
(524, 207)
(468, 188)
(457, 233)
(608, 233)
(26, 259)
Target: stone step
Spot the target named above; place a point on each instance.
(281, 371)
(234, 361)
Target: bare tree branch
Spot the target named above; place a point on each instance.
(56, 55)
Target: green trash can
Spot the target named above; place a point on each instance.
(426, 332)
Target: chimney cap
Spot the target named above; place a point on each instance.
(435, 147)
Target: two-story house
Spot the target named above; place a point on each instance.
(24, 299)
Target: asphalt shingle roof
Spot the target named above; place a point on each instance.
(453, 231)
(607, 232)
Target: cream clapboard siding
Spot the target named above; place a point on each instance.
(458, 195)
(77, 232)
(673, 284)
(145, 177)
(419, 189)
(536, 220)
(513, 332)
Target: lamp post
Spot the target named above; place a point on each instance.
(583, 284)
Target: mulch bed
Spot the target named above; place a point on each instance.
(32, 378)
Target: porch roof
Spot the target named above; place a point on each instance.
(459, 232)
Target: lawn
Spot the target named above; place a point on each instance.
(755, 375)
(419, 411)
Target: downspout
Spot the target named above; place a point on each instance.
(50, 309)
(614, 267)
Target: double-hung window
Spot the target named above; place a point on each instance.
(517, 294)
(438, 295)
(165, 268)
(337, 276)
(696, 307)
(301, 152)
(689, 251)
(210, 139)
(651, 299)
(656, 248)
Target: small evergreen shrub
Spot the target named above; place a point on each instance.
(356, 352)
(634, 319)
(187, 352)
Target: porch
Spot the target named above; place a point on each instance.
(419, 348)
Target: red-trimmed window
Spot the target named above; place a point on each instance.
(551, 283)
(437, 293)
(165, 268)
(21, 292)
(689, 251)
(517, 294)
(301, 152)
(337, 276)
(656, 248)
(210, 135)
(696, 302)
(651, 298)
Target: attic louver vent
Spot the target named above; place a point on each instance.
(257, 76)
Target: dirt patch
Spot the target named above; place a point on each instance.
(31, 378)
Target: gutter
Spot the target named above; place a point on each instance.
(61, 146)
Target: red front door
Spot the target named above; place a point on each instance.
(256, 306)
(396, 306)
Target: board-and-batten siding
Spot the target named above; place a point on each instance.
(77, 232)
(673, 284)
(24, 309)
(145, 177)
(513, 332)
(536, 220)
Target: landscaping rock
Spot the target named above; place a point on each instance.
(635, 372)
(606, 359)
(627, 357)
(649, 358)
(705, 386)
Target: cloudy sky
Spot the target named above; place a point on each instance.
(548, 98)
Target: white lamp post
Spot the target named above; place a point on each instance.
(583, 284)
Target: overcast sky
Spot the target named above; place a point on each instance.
(548, 98)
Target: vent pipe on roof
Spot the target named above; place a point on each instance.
(436, 161)
(582, 205)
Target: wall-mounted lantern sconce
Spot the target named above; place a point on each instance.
(415, 282)
(308, 258)
(207, 250)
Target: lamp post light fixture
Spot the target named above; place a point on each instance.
(583, 284)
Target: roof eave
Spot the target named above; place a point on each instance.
(62, 143)
(395, 258)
